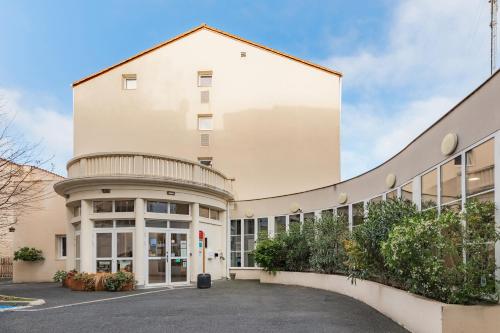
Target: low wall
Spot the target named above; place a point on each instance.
(415, 313)
(247, 273)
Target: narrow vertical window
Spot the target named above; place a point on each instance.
(235, 243)
(249, 242)
(480, 172)
(429, 190)
(451, 184)
(61, 246)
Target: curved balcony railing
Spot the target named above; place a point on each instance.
(147, 165)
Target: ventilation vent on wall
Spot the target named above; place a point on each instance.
(205, 97)
(205, 139)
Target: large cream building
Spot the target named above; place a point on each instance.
(187, 151)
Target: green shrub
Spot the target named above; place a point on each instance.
(60, 276)
(28, 254)
(425, 255)
(118, 280)
(328, 254)
(87, 279)
(364, 248)
(270, 253)
(297, 243)
(422, 254)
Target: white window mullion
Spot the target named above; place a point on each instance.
(438, 189)
(497, 197)
(242, 244)
(350, 217)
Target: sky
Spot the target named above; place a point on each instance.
(405, 62)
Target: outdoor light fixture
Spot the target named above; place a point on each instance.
(474, 179)
(342, 198)
(390, 180)
(170, 193)
(449, 144)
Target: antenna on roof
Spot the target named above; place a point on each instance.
(493, 26)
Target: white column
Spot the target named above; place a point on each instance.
(224, 217)
(86, 242)
(350, 218)
(140, 243)
(197, 255)
(70, 240)
(417, 192)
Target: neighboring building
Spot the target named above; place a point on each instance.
(136, 197)
(43, 227)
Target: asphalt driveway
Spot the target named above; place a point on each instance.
(229, 306)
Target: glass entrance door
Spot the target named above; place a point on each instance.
(167, 257)
(179, 257)
(157, 257)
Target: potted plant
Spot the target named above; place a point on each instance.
(119, 281)
(82, 282)
(60, 276)
(28, 254)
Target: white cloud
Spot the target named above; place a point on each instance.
(436, 52)
(44, 125)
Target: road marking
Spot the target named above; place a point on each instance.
(101, 300)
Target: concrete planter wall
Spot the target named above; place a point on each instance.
(415, 313)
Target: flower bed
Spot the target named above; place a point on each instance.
(397, 245)
(120, 281)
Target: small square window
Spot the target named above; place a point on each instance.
(205, 122)
(204, 79)
(129, 81)
(124, 206)
(204, 212)
(103, 206)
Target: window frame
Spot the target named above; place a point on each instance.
(204, 74)
(129, 78)
(62, 246)
(114, 243)
(205, 117)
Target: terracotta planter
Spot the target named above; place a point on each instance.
(127, 287)
(99, 281)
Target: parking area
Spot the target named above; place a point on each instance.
(229, 306)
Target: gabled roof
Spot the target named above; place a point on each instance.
(206, 27)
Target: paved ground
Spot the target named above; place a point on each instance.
(229, 306)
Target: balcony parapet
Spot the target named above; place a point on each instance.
(149, 167)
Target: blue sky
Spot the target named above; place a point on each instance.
(405, 62)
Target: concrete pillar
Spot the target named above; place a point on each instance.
(225, 245)
(497, 203)
(70, 240)
(86, 242)
(140, 243)
(196, 251)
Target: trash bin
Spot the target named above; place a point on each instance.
(204, 281)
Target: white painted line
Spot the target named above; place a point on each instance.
(99, 300)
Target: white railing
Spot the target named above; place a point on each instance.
(147, 165)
